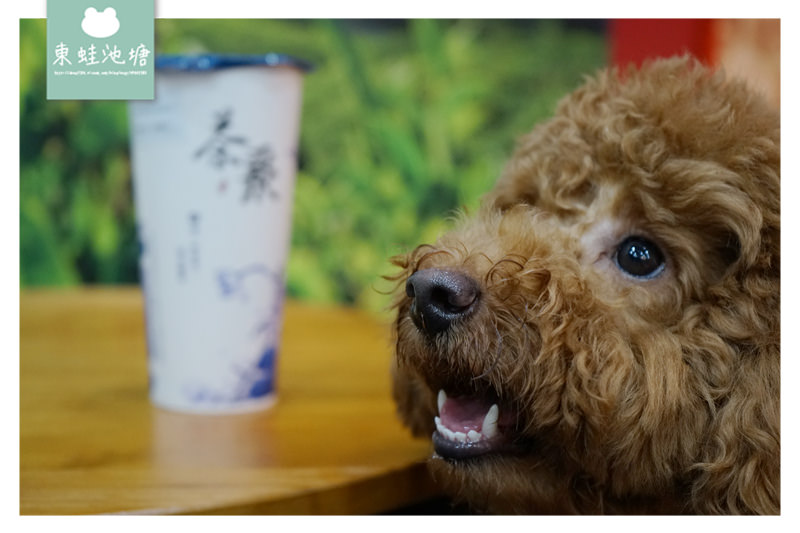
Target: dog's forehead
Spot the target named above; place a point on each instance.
(642, 144)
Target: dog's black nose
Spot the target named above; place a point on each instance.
(439, 297)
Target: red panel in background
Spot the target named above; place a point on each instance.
(634, 40)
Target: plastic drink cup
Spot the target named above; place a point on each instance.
(214, 161)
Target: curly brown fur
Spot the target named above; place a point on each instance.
(631, 395)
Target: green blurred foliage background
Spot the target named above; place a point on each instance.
(404, 122)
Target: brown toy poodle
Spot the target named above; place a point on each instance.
(604, 335)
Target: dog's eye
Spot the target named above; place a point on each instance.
(640, 258)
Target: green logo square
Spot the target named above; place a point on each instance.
(100, 49)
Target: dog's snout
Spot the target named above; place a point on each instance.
(439, 298)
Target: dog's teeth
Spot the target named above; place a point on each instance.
(492, 415)
(442, 429)
(447, 433)
(489, 428)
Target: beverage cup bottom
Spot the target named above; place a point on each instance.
(241, 407)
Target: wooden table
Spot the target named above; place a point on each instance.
(90, 441)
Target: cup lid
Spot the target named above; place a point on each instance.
(202, 62)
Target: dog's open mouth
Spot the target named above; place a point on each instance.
(470, 426)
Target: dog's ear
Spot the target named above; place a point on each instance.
(740, 472)
(741, 467)
(509, 192)
(414, 402)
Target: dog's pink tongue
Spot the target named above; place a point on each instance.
(463, 414)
